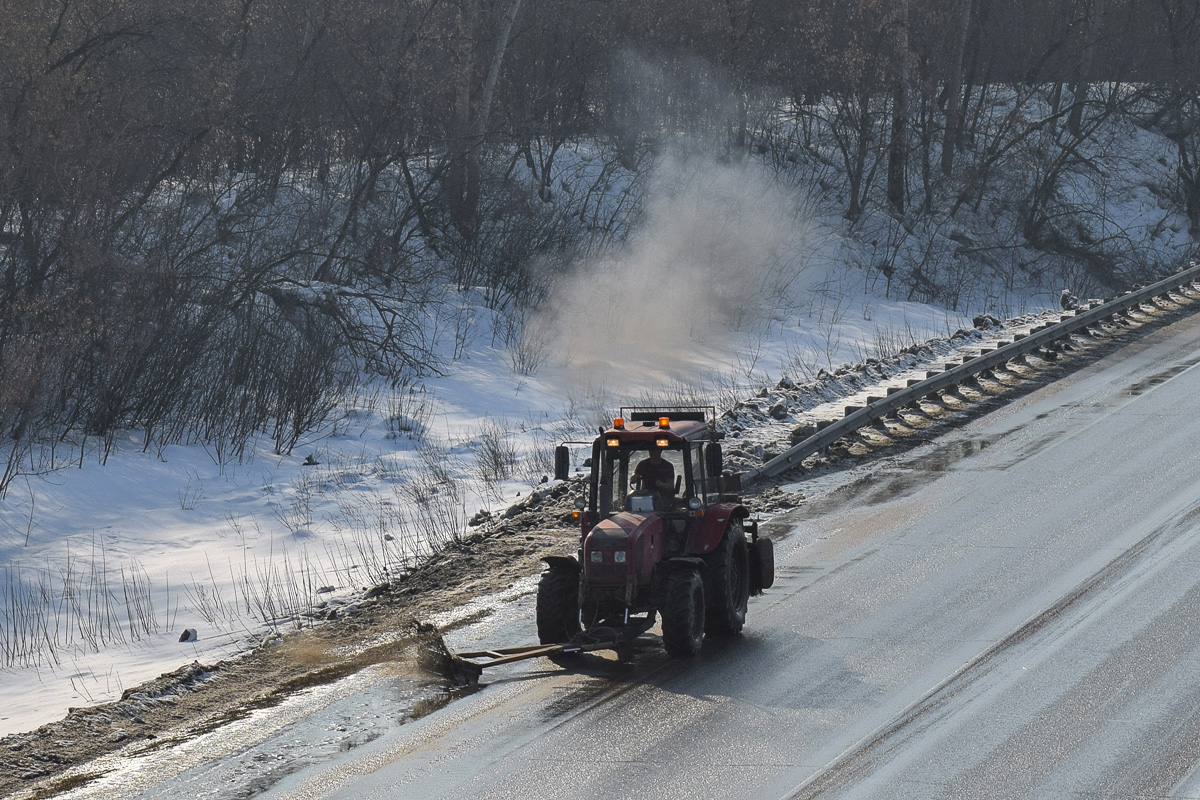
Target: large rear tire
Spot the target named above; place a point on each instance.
(683, 613)
(557, 606)
(729, 583)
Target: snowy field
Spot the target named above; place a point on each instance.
(106, 566)
(728, 284)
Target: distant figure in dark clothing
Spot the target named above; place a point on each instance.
(655, 474)
(1068, 301)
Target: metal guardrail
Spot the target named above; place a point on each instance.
(1073, 322)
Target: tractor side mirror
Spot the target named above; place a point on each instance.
(562, 463)
(713, 455)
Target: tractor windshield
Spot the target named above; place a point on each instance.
(640, 477)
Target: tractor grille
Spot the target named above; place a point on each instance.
(611, 574)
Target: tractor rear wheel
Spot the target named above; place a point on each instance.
(729, 582)
(557, 606)
(683, 613)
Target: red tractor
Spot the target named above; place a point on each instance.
(659, 536)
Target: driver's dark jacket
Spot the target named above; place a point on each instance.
(652, 474)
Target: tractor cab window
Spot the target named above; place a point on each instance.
(704, 485)
(640, 477)
(696, 487)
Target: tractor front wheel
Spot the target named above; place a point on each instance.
(729, 582)
(683, 613)
(557, 606)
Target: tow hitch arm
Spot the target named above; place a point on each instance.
(479, 659)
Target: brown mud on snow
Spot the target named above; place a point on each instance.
(199, 698)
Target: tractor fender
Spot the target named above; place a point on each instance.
(566, 564)
(712, 527)
(762, 565)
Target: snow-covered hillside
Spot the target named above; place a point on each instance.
(729, 277)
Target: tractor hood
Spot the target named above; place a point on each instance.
(623, 548)
(616, 530)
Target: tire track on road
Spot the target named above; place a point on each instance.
(858, 760)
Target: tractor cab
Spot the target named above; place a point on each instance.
(652, 460)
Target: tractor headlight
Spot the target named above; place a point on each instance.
(580, 503)
(694, 503)
(596, 556)
(619, 556)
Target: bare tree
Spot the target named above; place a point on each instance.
(481, 41)
(959, 33)
(902, 76)
(1084, 64)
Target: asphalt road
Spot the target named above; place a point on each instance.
(1010, 611)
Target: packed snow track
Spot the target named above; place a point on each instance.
(1012, 610)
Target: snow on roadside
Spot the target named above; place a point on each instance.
(106, 566)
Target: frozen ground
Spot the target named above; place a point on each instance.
(106, 566)
(726, 288)
(938, 616)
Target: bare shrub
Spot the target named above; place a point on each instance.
(436, 497)
(309, 381)
(279, 593)
(84, 602)
(373, 543)
(192, 493)
(799, 364)
(537, 463)
(529, 346)
(296, 511)
(495, 455)
(409, 409)
(208, 600)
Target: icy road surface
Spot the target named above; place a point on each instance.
(1011, 611)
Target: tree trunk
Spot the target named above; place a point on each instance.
(1189, 179)
(1083, 67)
(898, 146)
(455, 182)
(958, 46)
(856, 160)
(471, 119)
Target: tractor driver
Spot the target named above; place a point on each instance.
(655, 474)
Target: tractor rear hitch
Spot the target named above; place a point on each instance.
(600, 639)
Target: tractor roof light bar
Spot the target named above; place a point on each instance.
(677, 413)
